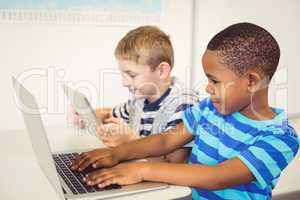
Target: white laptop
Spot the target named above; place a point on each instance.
(83, 108)
(56, 167)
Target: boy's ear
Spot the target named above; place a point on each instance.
(164, 70)
(256, 81)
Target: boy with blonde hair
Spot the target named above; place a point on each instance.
(145, 59)
(241, 144)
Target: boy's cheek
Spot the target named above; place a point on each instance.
(137, 95)
(223, 108)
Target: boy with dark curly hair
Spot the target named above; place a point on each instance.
(241, 144)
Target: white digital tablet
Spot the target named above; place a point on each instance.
(83, 108)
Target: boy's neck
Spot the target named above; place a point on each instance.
(259, 108)
(162, 89)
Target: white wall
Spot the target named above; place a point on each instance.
(281, 18)
(79, 53)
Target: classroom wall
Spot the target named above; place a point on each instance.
(45, 55)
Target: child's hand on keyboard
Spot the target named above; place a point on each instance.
(97, 158)
(115, 132)
(74, 118)
(122, 174)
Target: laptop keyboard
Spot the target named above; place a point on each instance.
(73, 178)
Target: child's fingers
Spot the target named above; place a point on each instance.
(110, 141)
(70, 114)
(76, 119)
(81, 123)
(109, 144)
(101, 130)
(112, 120)
(106, 141)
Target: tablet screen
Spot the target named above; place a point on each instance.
(83, 108)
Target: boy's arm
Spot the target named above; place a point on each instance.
(150, 146)
(111, 140)
(155, 145)
(227, 174)
(122, 133)
(178, 156)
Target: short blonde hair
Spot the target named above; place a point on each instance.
(146, 45)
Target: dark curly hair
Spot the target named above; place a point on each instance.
(243, 46)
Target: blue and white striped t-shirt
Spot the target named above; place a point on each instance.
(265, 147)
(165, 113)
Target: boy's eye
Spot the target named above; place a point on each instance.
(130, 75)
(213, 81)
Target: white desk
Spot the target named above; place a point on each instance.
(21, 177)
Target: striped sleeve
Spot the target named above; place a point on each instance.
(192, 115)
(176, 118)
(122, 111)
(268, 156)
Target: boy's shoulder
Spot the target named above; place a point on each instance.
(205, 107)
(180, 91)
(272, 129)
(177, 94)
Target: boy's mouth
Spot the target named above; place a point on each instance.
(131, 90)
(216, 105)
(136, 93)
(215, 101)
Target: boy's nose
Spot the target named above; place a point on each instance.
(209, 89)
(126, 82)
